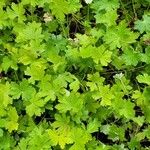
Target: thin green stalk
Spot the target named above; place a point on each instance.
(134, 11)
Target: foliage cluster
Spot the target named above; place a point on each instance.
(74, 74)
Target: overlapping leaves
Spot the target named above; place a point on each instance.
(68, 81)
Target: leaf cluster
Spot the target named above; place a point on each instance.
(74, 74)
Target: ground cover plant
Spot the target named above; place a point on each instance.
(74, 74)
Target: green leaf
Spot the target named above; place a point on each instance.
(139, 120)
(93, 126)
(3, 3)
(34, 2)
(98, 54)
(105, 95)
(75, 85)
(73, 72)
(76, 135)
(146, 94)
(16, 11)
(12, 122)
(105, 58)
(7, 142)
(107, 5)
(146, 113)
(130, 57)
(23, 144)
(62, 122)
(134, 143)
(60, 8)
(23, 89)
(9, 62)
(35, 106)
(38, 139)
(145, 57)
(1, 133)
(119, 36)
(36, 74)
(32, 31)
(5, 99)
(59, 138)
(46, 88)
(145, 78)
(122, 83)
(127, 109)
(114, 132)
(95, 81)
(143, 25)
(139, 97)
(109, 18)
(71, 102)
(85, 40)
(3, 20)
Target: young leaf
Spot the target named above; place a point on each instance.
(36, 74)
(105, 94)
(12, 122)
(59, 138)
(5, 99)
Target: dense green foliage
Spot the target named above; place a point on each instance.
(74, 75)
